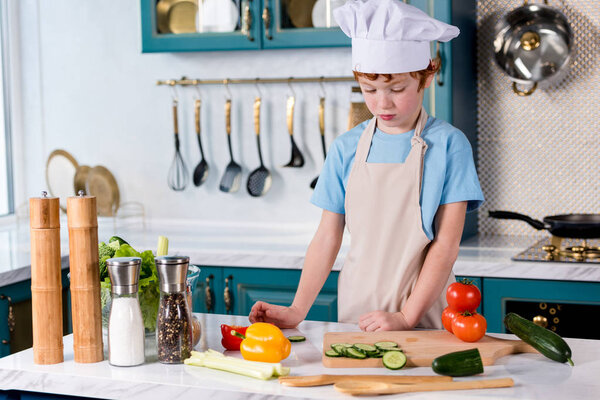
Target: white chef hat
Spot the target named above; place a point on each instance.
(389, 36)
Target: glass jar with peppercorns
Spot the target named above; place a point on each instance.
(174, 321)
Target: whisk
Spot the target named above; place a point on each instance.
(178, 174)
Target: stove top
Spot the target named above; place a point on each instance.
(555, 249)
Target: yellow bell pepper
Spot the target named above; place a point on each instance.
(264, 342)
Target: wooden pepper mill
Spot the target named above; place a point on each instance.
(46, 286)
(85, 278)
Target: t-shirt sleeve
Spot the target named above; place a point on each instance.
(461, 182)
(330, 192)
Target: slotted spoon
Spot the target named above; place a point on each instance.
(259, 181)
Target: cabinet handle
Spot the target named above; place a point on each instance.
(247, 21)
(266, 16)
(11, 317)
(208, 294)
(227, 296)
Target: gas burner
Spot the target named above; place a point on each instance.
(562, 250)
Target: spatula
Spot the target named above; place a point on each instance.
(321, 380)
(371, 388)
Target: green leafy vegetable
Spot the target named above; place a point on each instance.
(149, 293)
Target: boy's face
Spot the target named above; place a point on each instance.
(396, 103)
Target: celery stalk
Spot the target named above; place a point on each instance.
(224, 364)
(162, 249)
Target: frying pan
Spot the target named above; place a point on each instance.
(580, 226)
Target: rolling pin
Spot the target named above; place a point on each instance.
(85, 278)
(46, 286)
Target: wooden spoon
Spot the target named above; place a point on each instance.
(369, 388)
(320, 380)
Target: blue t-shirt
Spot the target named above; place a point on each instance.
(449, 173)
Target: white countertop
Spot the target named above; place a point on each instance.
(247, 245)
(535, 376)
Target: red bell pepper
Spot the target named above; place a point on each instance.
(229, 341)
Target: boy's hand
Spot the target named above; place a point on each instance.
(283, 317)
(383, 321)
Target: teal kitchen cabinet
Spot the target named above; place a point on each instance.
(567, 308)
(207, 296)
(15, 315)
(263, 24)
(245, 286)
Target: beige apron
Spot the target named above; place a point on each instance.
(388, 244)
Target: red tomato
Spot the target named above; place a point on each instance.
(463, 296)
(447, 317)
(469, 327)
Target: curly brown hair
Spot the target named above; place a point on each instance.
(422, 75)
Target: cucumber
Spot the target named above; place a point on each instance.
(459, 363)
(355, 353)
(394, 359)
(296, 338)
(386, 345)
(332, 353)
(366, 348)
(543, 340)
(338, 348)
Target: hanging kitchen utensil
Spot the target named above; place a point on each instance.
(178, 174)
(359, 111)
(532, 44)
(297, 160)
(322, 131)
(259, 181)
(201, 170)
(230, 182)
(580, 226)
(103, 185)
(61, 169)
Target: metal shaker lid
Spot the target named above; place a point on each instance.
(124, 274)
(172, 272)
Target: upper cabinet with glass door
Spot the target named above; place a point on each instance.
(207, 25)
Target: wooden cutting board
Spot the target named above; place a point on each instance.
(420, 347)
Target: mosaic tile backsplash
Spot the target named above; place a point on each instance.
(539, 155)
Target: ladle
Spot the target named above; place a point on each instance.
(230, 182)
(259, 181)
(201, 170)
(297, 160)
(322, 131)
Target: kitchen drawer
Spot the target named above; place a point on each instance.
(567, 307)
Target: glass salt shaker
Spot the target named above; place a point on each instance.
(125, 324)
(174, 321)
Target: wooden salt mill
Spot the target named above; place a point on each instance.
(85, 278)
(46, 286)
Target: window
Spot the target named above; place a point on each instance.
(6, 192)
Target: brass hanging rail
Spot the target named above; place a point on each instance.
(194, 82)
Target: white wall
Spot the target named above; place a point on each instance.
(83, 85)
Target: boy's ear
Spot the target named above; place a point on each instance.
(428, 80)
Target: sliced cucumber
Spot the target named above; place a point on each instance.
(375, 354)
(394, 360)
(355, 353)
(332, 353)
(386, 345)
(296, 338)
(338, 348)
(365, 347)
